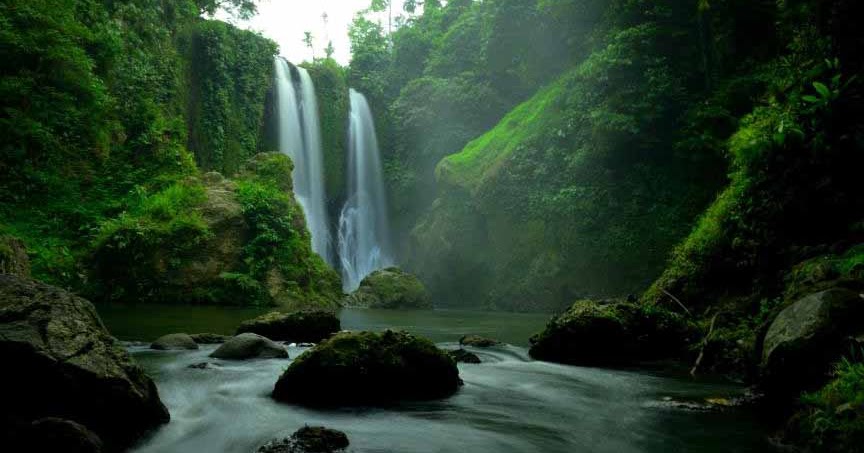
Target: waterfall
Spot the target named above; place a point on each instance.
(364, 244)
(300, 138)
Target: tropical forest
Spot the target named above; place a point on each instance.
(431, 226)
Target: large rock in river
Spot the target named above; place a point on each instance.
(250, 346)
(611, 333)
(61, 362)
(807, 337)
(306, 326)
(174, 342)
(309, 439)
(358, 368)
(390, 288)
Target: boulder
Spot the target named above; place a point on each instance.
(13, 257)
(361, 368)
(807, 337)
(390, 288)
(250, 346)
(611, 333)
(62, 362)
(307, 326)
(209, 338)
(52, 434)
(477, 341)
(309, 439)
(173, 342)
(462, 356)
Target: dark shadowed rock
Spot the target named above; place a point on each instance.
(309, 439)
(62, 362)
(611, 333)
(477, 341)
(58, 435)
(174, 341)
(310, 326)
(209, 338)
(462, 356)
(356, 368)
(250, 346)
(13, 257)
(390, 288)
(807, 337)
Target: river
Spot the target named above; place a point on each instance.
(509, 403)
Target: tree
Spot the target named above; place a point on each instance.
(244, 9)
(307, 39)
(382, 5)
(329, 51)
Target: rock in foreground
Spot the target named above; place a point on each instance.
(63, 363)
(309, 439)
(174, 342)
(611, 333)
(307, 326)
(807, 337)
(390, 288)
(250, 346)
(360, 368)
(57, 435)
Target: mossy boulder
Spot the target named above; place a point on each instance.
(13, 257)
(209, 338)
(305, 326)
(249, 346)
(463, 356)
(807, 337)
(63, 363)
(53, 434)
(368, 368)
(611, 333)
(174, 342)
(309, 439)
(478, 342)
(390, 288)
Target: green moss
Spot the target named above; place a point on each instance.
(331, 87)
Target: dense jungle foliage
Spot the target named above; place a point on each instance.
(111, 110)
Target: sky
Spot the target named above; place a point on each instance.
(284, 21)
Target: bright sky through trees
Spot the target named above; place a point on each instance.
(285, 22)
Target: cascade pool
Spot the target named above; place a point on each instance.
(509, 403)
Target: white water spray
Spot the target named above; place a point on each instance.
(364, 236)
(300, 138)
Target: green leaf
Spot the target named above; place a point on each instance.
(822, 89)
(811, 99)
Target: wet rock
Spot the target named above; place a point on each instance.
(203, 366)
(611, 333)
(309, 439)
(477, 341)
(53, 434)
(807, 337)
(67, 365)
(250, 346)
(390, 288)
(359, 368)
(209, 338)
(13, 257)
(297, 327)
(462, 356)
(174, 342)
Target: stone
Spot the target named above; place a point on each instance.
(807, 337)
(478, 341)
(174, 342)
(209, 338)
(462, 356)
(305, 326)
(309, 439)
(250, 346)
(62, 362)
(390, 288)
(362, 368)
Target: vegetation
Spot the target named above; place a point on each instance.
(833, 419)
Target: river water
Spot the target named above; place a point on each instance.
(509, 403)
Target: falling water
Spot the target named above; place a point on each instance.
(363, 232)
(300, 138)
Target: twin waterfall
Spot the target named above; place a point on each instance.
(363, 234)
